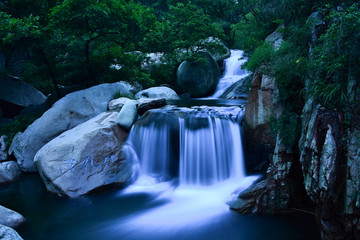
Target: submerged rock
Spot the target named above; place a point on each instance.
(9, 171)
(10, 218)
(158, 92)
(84, 158)
(70, 111)
(200, 79)
(7, 233)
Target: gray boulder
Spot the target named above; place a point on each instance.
(20, 93)
(70, 111)
(9, 171)
(10, 218)
(3, 153)
(127, 115)
(158, 92)
(200, 79)
(84, 158)
(7, 233)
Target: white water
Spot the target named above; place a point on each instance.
(189, 158)
(233, 73)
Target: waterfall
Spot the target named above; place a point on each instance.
(199, 146)
(232, 74)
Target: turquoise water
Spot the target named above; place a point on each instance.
(115, 214)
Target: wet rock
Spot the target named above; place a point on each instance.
(272, 194)
(158, 92)
(85, 158)
(70, 111)
(200, 79)
(145, 106)
(10, 218)
(7, 233)
(9, 171)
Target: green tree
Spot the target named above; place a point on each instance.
(94, 29)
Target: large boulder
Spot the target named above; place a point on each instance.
(158, 92)
(70, 111)
(9, 171)
(10, 218)
(20, 93)
(7, 233)
(200, 79)
(84, 158)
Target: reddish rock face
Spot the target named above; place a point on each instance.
(262, 105)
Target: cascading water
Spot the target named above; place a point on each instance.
(233, 72)
(200, 146)
(190, 157)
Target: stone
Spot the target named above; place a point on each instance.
(7, 233)
(158, 92)
(115, 105)
(20, 93)
(145, 106)
(70, 111)
(199, 79)
(275, 38)
(127, 115)
(10, 218)
(9, 171)
(262, 104)
(85, 158)
(3, 153)
(320, 156)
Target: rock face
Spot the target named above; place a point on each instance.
(10, 218)
(272, 194)
(7, 233)
(70, 111)
(84, 158)
(127, 115)
(9, 171)
(144, 106)
(20, 93)
(262, 104)
(158, 92)
(200, 79)
(331, 171)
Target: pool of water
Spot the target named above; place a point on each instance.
(129, 215)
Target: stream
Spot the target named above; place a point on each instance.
(187, 160)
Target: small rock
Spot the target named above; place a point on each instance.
(158, 92)
(116, 104)
(9, 171)
(10, 218)
(127, 115)
(7, 233)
